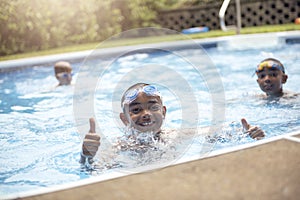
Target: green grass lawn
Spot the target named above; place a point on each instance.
(124, 42)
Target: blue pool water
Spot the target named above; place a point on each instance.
(41, 131)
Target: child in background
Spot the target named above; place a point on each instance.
(270, 78)
(63, 73)
(143, 111)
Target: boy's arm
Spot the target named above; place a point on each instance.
(90, 144)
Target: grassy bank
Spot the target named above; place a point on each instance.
(123, 42)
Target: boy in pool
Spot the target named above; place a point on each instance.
(63, 73)
(270, 78)
(143, 111)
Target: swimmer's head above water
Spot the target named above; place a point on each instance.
(143, 109)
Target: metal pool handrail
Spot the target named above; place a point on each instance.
(222, 15)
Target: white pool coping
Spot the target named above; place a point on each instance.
(233, 41)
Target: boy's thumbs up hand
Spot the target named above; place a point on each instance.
(245, 124)
(255, 132)
(91, 141)
(92, 125)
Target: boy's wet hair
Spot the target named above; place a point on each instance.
(62, 66)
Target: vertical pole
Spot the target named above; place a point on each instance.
(238, 16)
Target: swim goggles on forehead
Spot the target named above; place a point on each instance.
(270, 65)
(131, 95)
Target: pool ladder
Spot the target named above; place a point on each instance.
(238, 14)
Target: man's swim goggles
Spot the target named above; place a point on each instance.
(269, 64)
(131, 95)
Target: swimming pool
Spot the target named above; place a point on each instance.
(40, 138)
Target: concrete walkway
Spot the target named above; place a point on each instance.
(267, 171)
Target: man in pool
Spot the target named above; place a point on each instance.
(270, 78)
(63, 72)
(143, 111)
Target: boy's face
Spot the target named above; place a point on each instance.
(63, 76)
(270, 81)
(146, 113)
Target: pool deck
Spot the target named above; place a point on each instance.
(270, 170)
